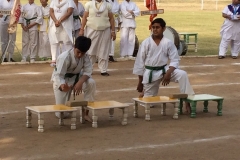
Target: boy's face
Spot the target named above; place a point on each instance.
(235, 2)
(157, 29)
(31, 1)
(78, 54)
(44, 2)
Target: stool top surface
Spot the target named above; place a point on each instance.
(202, 97)
(156, 99)
(106, 104)
(189, 33)
(50, 108)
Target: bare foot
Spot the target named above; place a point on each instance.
(87, 118)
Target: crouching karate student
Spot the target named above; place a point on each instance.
(73, 72)
(151, 64)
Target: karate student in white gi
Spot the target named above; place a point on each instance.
(230, 31)
(60, 26)
(116, 15)
(77, 13)
(98, 23)
(44, 51)
(4, 22)
(151, 64)
(127, 42)
(73, 72)
(29, 20)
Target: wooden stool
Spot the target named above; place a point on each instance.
(201, 97)
(40, 110)
(95, 106)
(186, 36)
(147, 101)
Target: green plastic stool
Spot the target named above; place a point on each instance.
(201, 97)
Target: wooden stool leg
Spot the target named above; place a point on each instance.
(135, 109)
(163, 110)
(40, 123)
(73, 120)
(175, 116)
(125, 115)
(82, 111)
(205, 109)
(29, 118)
(219, 107)
(193, 109)
(60, 121)
(147, 112)
(180, 106)
(111, 112)
(94, 118)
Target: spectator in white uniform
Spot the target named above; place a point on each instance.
(77, 13)
(230, 31)
(98, 23)
(44, 51)
(60, 26)
(129, 12)
(29, 20)
(6, 5)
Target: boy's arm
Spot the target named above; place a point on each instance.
(136, 11)
(87, 71)
(60, 71)
(39, 18)
(174, 63)
(140, 85)
(224, 15)
(139, 65)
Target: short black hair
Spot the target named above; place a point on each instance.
(160, 21)
(83, 43)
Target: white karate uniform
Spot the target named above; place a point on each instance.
(44, 44)
(67, 63)
(4, 22)
(30, 37)
(127, 41)
(99, 33)
(78, 11)
(151, 54)
(230, 33)
(63, 33)
(116, 15)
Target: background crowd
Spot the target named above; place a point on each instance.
(50, 29)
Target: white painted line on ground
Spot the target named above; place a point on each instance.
(10, 112)
(151, 146)
(116, 90)
(30, 73)
(200, 85)
(207, 56)
(26, 95)
(24, 73)
(154, 146)
(33, 83)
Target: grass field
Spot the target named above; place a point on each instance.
(183, 16)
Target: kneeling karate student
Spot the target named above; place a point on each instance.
(73, 72)
(151, 64)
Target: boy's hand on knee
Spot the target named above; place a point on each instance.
(166, 79)
(78, 88)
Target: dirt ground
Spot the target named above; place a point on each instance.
(206, 137)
